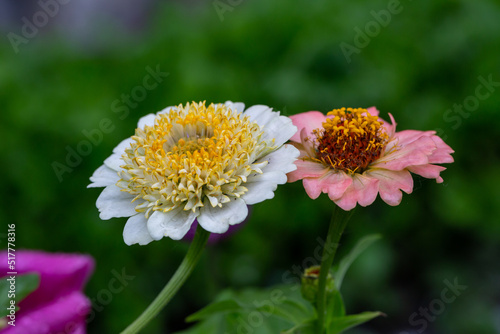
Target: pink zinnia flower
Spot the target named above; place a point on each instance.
(353, 155)
(58, 305)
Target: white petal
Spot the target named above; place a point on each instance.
(262, 186)
(136, 231)
(166, 110)
(218, 219)
(281, 160)
(103, 177)
(114, 161)
(115, 203)
(237, 106)
(174, 224)
(148, 120)
(120, 148)
(279, 128)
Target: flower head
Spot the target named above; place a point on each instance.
(58, 303)
(194, 162)
(353, 155)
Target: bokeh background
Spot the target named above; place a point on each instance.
(60, 79)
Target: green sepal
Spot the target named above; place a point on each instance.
(339, 325)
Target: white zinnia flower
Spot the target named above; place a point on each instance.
(195, 162)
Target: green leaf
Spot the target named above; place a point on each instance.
(219, 307)
(339, 325)
(264, 311)
(306, 328)
(24, 285)
(335, 306)
(346, 262)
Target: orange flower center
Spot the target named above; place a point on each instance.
(350, 140)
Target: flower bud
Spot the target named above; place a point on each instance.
(310, 280)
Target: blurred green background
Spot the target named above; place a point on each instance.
(416, 63)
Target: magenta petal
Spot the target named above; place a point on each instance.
(307, 120)
(59, 274)
(306, 168)
(58, 303)
(390, 183)
(363, 190)
(428, 171)
(66, 314)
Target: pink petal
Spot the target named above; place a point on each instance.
(338, 183)
(442, 154)
(312, 187)
(373, 111)
(307, 120)
(404, 155)
(308, 143)
(363, 190)
(302, 151)
(307, 168)
(389, 128)
(428, 171)
(406, 137)
(305, 146)
(334, 183)
(390, 183)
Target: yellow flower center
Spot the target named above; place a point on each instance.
(350, 140)
(190, 154)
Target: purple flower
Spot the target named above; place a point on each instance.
(58, 305)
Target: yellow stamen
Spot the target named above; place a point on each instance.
(190, 154)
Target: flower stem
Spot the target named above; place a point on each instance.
(335, 230)
(186, 267)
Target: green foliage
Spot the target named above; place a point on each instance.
(280, 308)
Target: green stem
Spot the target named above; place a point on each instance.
(335, 230)
(186, 267)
